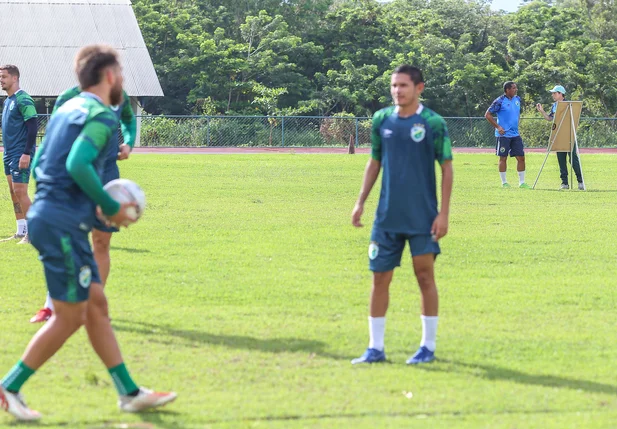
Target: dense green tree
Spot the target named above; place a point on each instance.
(331, 56)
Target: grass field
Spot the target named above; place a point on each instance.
(245, 289)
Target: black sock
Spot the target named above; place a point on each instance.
(134, 393)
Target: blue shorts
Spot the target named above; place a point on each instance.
(11, 168)
(386, 249)
(111, 173)
(67, 258)
(509, 145)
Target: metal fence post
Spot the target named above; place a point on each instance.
(282, 131)
(208, 131)
(356, 132)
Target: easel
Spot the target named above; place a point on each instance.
(563, 135)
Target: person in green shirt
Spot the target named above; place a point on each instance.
(101, 233)
(68, 191)
(19, 126)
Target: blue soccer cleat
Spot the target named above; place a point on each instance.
(370, 356)
(423, 355)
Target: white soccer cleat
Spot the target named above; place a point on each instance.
(145, 400)
(25, 240)
(13, 403)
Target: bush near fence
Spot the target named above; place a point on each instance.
(337, 130)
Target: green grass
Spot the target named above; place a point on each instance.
(245, 288)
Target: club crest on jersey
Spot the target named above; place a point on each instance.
(517, 103)
(12, 106)
(418, 132)
(373, 250)
(85, 276)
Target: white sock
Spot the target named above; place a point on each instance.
(503, 177)
(521, 177)
(48, 303)
(429, 332)
(22, 227)
(376, 329)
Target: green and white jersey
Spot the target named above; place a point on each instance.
(58, 197)
(407, 149)
(18, 108)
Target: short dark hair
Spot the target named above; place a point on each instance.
(413, 72)
(11, 69)
(508, 85)
(90, 62)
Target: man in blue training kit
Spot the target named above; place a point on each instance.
(19, 140)
(507, 107)
(68, 190)
(101, 233)
(407, 139)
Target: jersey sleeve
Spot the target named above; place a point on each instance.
(64, 97)
(378, 119)
(495, 106)
(441, 140)
(128, 123)
(86, 148)
(26, 107)
(376, 139)
(98, 129)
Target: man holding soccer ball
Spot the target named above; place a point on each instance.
(68, 190)
(101, 232)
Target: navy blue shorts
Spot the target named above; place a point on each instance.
(111, 173)
(386, 249)
(67, 258)
(11, 168)
(512, 146)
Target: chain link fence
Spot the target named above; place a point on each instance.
(333, 131)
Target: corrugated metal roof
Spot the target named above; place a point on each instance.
(68, 1)
(51, 32)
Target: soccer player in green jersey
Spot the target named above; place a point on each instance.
(19, 128)
(407, 140)
(68, 190)
(101, 233)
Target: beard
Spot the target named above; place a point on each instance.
(115, 97)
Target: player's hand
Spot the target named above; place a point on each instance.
(540, 108)
(356, 215)
(440, 227)
(24, 162)
(124, 216)
(125, 151)
(501, 131)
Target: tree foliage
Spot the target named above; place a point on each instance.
(331, 56)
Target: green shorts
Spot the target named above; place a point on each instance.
(67, 258)
(11, 168)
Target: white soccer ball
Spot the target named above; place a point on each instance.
(127, 191)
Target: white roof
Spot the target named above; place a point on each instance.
(50, 32)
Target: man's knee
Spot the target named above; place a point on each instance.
(97, 303)
(424, 275)
(20, 190)
(72, 315)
